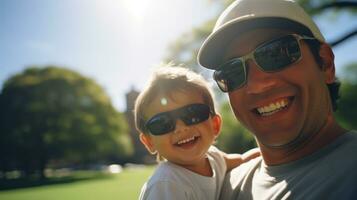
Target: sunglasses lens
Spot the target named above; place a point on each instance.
(230, 76)
(195, 113)
(163, 123)
(160, 124)
(278, 54)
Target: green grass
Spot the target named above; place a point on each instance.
(125, 185)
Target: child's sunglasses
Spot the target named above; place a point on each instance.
(165, 122)
(271, 56)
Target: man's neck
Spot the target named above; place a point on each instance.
(326, 135)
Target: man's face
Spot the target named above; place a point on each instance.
(279, 107)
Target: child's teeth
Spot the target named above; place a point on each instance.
(186, 140)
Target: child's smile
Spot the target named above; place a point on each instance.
(187, 142)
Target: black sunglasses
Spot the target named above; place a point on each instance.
(271, 56)
(165, 122)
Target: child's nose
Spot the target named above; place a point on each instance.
(180, 126)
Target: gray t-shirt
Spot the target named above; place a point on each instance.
(330, 173)
(173, 182)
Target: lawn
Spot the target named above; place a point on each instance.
(125, 185)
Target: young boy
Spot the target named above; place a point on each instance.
(176, 119)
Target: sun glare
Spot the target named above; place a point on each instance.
(134, 10)
(137, 8)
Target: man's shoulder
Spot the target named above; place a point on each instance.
(339, 154)
(347, 140)
(238, 177)
(352, 134)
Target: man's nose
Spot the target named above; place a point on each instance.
(258, 81)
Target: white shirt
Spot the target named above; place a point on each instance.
(173, 182)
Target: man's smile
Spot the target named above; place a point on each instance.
(273, 107)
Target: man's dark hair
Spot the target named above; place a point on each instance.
(334, 87)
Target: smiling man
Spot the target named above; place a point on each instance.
(279, 73)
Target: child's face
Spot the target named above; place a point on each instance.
(186, 144)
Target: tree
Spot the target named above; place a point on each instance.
(315, 8)
(347, 105)
(54, 114)
(234, 138)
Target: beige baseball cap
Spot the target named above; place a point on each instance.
(243, 15)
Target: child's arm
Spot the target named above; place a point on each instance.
(234, 160)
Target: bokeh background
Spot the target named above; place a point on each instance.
(70, 71)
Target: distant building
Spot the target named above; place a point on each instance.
(141, 155)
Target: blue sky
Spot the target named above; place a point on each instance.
(115, 42)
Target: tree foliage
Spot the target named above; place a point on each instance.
(54, 114)
(234, 138)
(347, 105)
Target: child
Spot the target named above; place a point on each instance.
(176, 119)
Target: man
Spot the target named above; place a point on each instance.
(279, 73)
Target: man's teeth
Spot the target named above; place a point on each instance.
(186, 140)
(272, 108)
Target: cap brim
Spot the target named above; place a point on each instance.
(212, 50)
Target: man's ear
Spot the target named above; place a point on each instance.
(328, 62)
(147, 141)
(217, 124)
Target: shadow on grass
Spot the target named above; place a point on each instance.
(6, 184)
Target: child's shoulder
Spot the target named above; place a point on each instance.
(167, 172)
(166, 183)
(216, 154)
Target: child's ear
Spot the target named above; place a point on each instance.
(146, 140)
(328, 63)
(217, 124)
